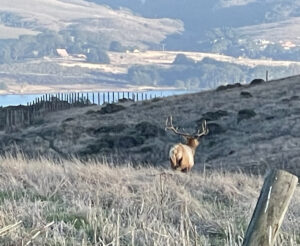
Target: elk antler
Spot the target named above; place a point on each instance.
(205, 130)
(169, 126)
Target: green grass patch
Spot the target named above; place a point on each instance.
(78, 221)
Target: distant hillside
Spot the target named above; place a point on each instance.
(249, 28)
(234, 27)
(78, 26)
(50, 45)
(251, 128)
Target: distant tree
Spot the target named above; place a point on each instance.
(5, 54)
(75, 48)
(97, 56)
(179, 84)
(182, 59)
(116, 46)
(192, 83)
(144, 75)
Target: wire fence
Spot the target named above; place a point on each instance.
(13, 118)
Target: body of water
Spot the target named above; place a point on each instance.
(17, 99)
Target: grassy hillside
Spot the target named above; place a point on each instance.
(90, 31)
(82, 16)
(98, 203)
(251, 128)
(220, 25)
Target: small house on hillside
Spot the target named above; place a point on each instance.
(62, 53)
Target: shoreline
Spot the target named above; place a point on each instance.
(41, 89)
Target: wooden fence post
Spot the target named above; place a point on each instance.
(7, 118)
(22, 117)
(273, 202)
(28, 116)
(12, 123)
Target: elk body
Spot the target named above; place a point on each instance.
(182, 155)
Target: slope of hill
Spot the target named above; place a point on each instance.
(219, 25)
(93, 30)
(79, 15)
(252, 128)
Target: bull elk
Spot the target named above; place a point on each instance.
(182, 155)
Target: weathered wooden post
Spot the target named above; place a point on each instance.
(22, 117)
(267, 76)
(12, 122)
(98, 98)
(113, 97)
(273, 202)
(7, 119)
(28, 116)
(108, 98)
(103, 98)
(15, 117)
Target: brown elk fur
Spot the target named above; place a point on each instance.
(182, 155)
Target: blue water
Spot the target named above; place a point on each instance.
(17, 99)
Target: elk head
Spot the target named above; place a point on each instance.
(182, 155)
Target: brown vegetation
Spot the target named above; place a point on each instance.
(97, 203)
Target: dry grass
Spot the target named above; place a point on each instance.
(74, 203)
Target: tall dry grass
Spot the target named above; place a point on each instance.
(74, 203)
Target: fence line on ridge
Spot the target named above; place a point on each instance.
(14, 117)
